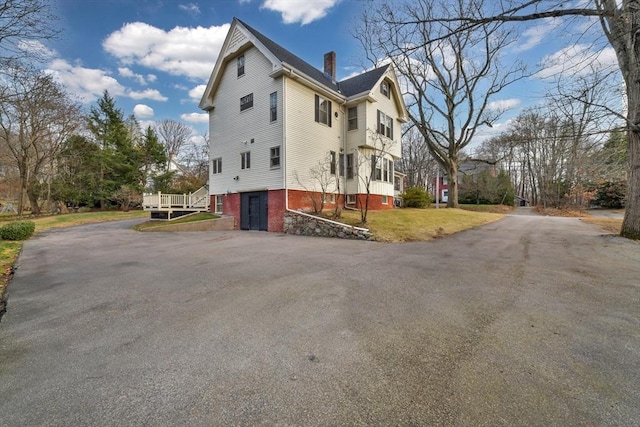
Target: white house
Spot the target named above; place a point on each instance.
(283, 133)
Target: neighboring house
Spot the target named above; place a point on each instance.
(466, 168)
(283, 132)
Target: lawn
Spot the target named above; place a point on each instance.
(406, 225)
(609, 225)
(202, 216)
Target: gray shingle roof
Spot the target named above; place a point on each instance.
(348, 87)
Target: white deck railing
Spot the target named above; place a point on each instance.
(198, 200)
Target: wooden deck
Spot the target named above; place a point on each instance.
(171, 206)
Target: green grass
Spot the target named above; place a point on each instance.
(406, 225)
(502, 209)
(203, 216)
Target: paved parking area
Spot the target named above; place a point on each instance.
(526, 321)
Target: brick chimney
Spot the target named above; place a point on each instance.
(330, 64)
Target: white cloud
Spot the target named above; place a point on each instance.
(181, 51)
(37, 48)
(127, 72)
(195, 117)
(503, 104)
(142, 111)
(89, 83)
(577, 59)
(85, 83)
(533, 36)
(197, 92)
(146, 94)
(191, 8)
(302, 11)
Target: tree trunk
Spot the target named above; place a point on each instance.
(631, 222)
(452, 186)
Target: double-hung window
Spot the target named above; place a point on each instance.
(323, 110)
(332, 167)
(352, 117)
(350, 166)
(385, 125)
(216, 166)
(246, 102)
(274, 157)
(245, 160)
(273, 106)
(376, 168)
(384, 88)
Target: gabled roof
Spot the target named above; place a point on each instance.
(296, 62)
(362, 82)
(352, 86)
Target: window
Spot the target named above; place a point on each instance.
(384, 88)
(329, 197)
(376, 168)
(385, 200)
(245, 160)
(444, 180)
(396, 183)
(350, 166)
(219, 203)
(273, 106)
(385, 125)
(240, 62)
(352, 117)
(323, 111)
(246, 102)
(387, 170)
(351, 199)
(332, 155)
(274, 157)
(216, 166)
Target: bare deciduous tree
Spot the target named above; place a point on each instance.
(35, 119)
(450, 76)
(174, 136)
(620, 22)
(23, 23)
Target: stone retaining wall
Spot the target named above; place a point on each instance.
(305, 225)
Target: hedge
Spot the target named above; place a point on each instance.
(20, 230)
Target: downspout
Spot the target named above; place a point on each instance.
(284, 143)
(345, 122)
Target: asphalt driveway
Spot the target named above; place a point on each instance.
(526, 321)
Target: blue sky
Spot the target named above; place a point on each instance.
(155, 56)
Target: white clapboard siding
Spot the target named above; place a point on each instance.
(231, 130)
(308, 142)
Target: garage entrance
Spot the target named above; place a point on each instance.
(253, 211)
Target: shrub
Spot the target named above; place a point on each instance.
(20, 230)
(611, 194)
(416, 197)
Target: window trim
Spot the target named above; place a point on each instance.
(350, 164)
(385, 84)
(216, 166)
(385, 125)
(219, 201)
(248, 102)
(385, 199)
(351, 199)
(245, 160)
(319, 101)
(273, 107)
(240, 62)
(352, 121)
(272, 157)
(332, 162)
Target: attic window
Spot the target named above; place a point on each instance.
(246, 102)
(240, 62)
(384, 88)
